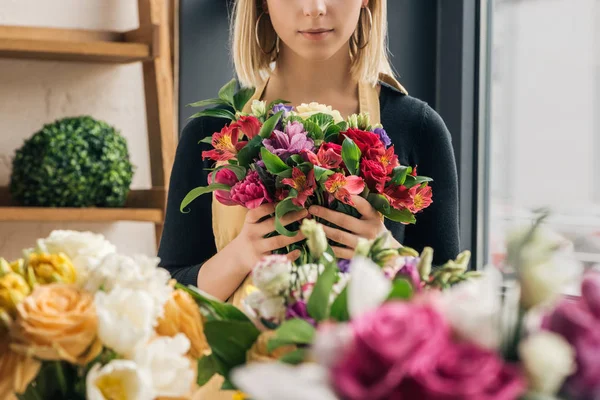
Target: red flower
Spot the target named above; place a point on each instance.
(329, 156)
(414, 171)
(249, 125)
(304, 184)
(374, 174)
(363, 139)
(343, 187)
(422, 198)
(389, 160)
(225, 144)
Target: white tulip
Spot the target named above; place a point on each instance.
(125, 318)
(119, 379)
(548, 360)
(170, 369)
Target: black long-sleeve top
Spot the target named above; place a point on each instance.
(420, 137)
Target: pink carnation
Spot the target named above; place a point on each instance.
(226, 177)
(250, 192)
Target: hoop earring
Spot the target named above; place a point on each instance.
(359, 33)
(275, 44)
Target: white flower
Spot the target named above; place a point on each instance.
(368, 287)
(119, 379)
(272, 274)
(259, 108)
(540, 247)
(270, 308)
(548, 360)
(306, 110)
(330, 343)
(473, 308)
(165, 359)
(85, 249)
(276, 381)
(138, 272)
(125, 318)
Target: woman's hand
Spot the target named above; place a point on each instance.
(369, 226)
(251, 245)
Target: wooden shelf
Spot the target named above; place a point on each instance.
(74, 45)
(142, 206)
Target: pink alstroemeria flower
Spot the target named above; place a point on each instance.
(304, 184)
(344, 187)
(226, 144)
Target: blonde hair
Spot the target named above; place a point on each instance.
(253, 66)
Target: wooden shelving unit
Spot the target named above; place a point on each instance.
(150, 44)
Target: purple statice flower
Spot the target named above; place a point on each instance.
(383, 136)
(299, 310)
(292, 141)
(344, 266)
(282, 107)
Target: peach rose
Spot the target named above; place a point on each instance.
(51, 268)
(57, 322)
(182, 315)
(259, 353)
(16, 371)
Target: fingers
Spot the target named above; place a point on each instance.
(341, 237)
(363, 206)
(268, 225)
(340, 219)
(278, 242)
(256, 214)
(341, 252)
(293, 255)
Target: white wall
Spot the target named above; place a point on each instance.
(36, 92)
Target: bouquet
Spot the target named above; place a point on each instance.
(494, 337)
(78, 320)
(289, 304)
(306, 155)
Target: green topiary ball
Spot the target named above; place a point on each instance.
(73, 162)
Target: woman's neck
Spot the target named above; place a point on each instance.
(301, 81)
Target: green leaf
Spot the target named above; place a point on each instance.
(322, 173)
(269, 125)
(273, 163)
(219, 309)
(230, 340)
(399, 175)
(227, 92)
(207, 139)
(216, 113)
(238, 170)
(332, 130)
(339, 308)
(284, 207)
(351, 155)
(199, 191)
(403, 216)
(242, 97)
(379, 202)
(323, 120)
(295, 357)
(249, 152)
(401, 289)
(314, 130)
(318, 303)
(293, 331)
(208, 366)
(416, 180)
(209, 102)
(228, 385)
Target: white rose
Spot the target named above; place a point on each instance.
(170, 369)
(259, 108)
(85, 249)
(548, 360)
(119, 379)
(125, 318)
(138, 272)
(306, 110)
(473, 308)
(269, 308)
(272, 274)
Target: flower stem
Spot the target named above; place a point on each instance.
(60, 377)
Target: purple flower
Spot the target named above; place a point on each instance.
(383, 136)
(292, 141)
(344, 266)
(410, 271)
(299, 310)
(282, 107)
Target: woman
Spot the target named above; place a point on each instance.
(331, 52)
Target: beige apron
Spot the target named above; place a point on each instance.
(228, 220)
